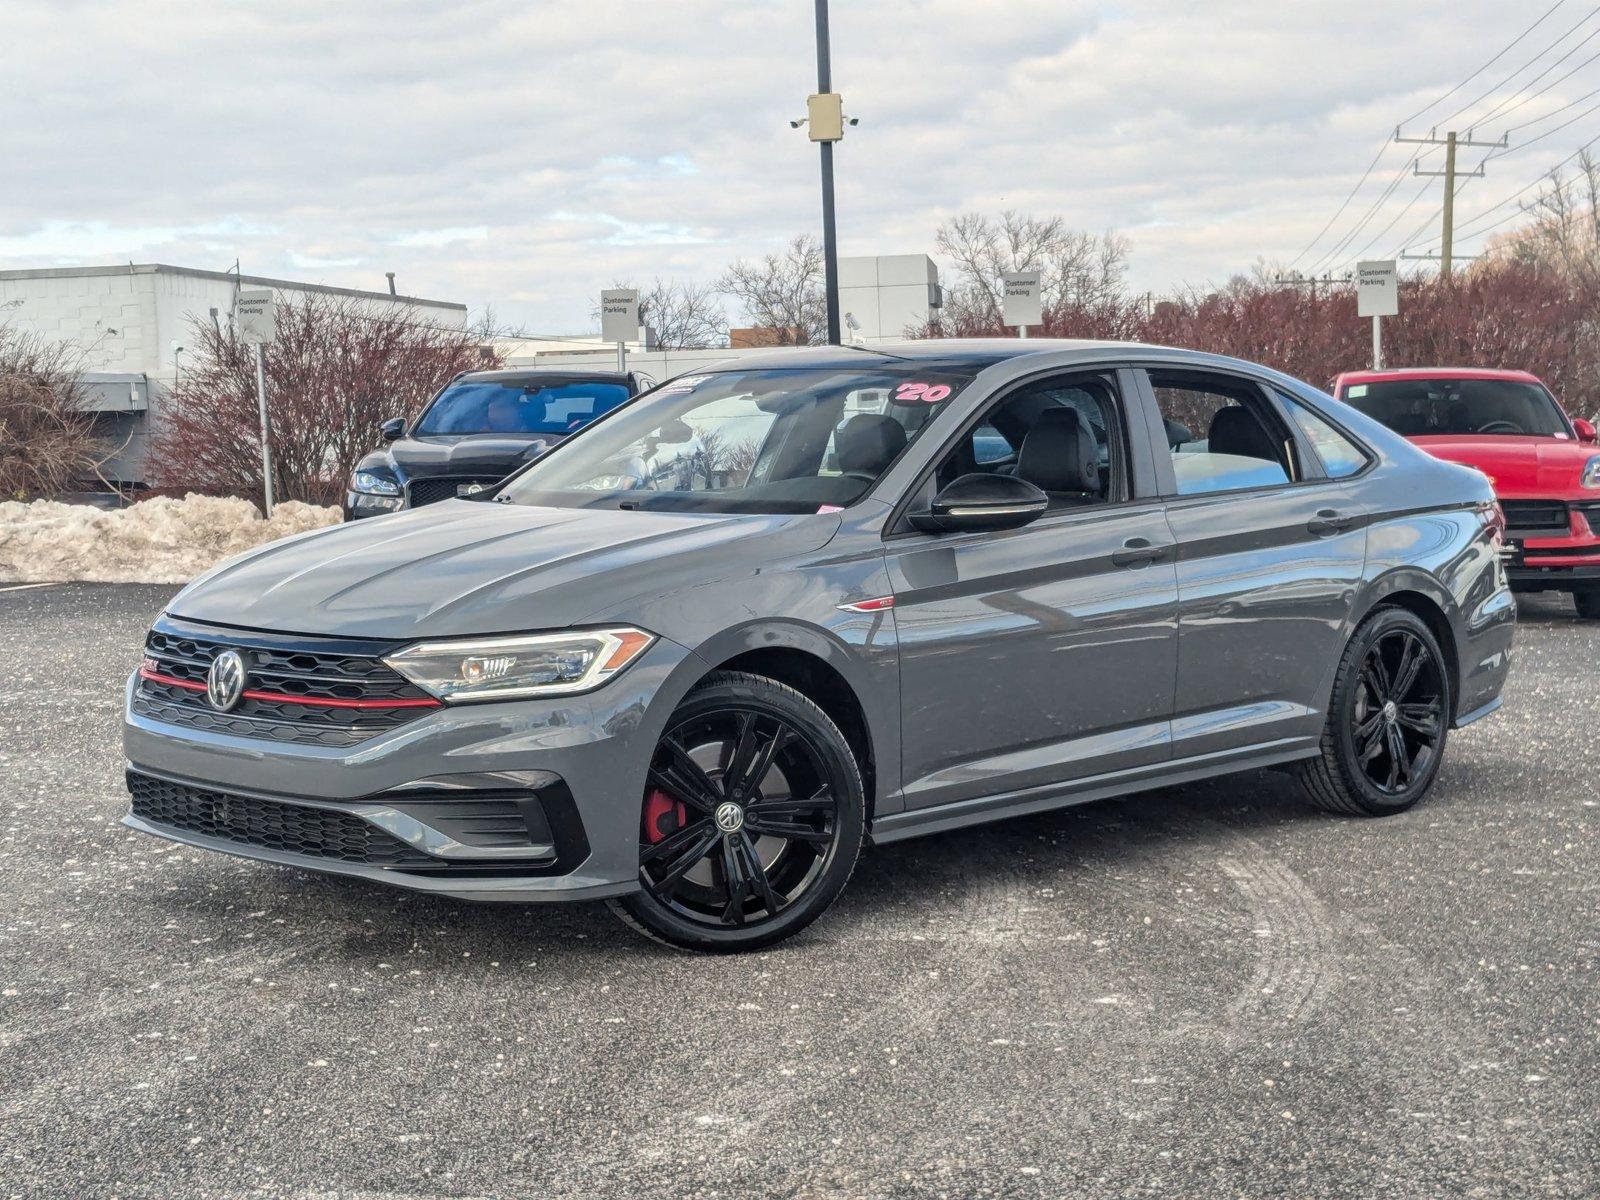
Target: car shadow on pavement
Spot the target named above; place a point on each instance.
(978, 866)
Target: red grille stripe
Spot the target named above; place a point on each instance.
(280, 698)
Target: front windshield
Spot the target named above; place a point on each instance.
(784, 441)
(527, 406)
(1423, 407)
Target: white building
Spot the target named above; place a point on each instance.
(131, 324)
(884, 298)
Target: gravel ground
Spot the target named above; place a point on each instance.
(1204, 991)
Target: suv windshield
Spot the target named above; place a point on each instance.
(1420, 407)
(782, 441)
(528, 406)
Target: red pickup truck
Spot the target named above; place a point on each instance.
(1544, 465)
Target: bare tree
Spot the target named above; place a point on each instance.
(336, 370)
(682, 315)
(47, 439)
(783, 292)
(1564, 230)
(1076, 268)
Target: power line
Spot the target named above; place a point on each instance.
(1365, 175)
(1501, 107)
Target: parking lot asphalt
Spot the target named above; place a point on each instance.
(1202, 991)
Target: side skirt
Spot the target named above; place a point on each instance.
(916, 823)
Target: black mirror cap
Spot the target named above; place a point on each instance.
(978, 502)
(393, 429)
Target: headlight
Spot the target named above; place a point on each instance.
(548, 664)
(373, 484)
(1591, 473)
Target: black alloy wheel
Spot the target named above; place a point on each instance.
(1388, 722)
(751, 820)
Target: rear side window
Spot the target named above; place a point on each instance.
(1340, 456)
(1221, 435)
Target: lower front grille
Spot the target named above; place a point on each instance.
(1528, 517)
(444, 487)
(269, 824)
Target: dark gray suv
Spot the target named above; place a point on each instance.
(691, 659)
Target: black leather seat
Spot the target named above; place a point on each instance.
(867, 443)
(1238, 431)
(1060, 457)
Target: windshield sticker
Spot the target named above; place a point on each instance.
(1357, 390)
(921, 393)
(684, 383)
(829, 508)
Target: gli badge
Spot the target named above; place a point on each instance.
(225, 681)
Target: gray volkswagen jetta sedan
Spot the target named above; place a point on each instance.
(692, 659)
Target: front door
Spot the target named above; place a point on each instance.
(1038, 656)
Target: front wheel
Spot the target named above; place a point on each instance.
(1588, 603)
(751, 822)
(1387, 722)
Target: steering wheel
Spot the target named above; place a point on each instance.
(1501, 427)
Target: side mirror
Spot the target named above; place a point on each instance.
(393, 429)
(982, 502)
(1585, 431)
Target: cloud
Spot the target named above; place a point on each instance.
(523, 154)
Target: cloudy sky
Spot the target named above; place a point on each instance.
(521, 154)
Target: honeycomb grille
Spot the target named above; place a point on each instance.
(269, 824)
(286, 673)
(443, 487)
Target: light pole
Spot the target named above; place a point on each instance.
(826, 120)
(830, 236)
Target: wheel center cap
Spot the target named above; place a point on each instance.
(1391, 711)
(729, 817)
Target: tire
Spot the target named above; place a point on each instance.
(751, 821)
(1362, 769)
(1588, 603)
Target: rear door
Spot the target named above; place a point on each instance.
(1034, 657)
(1271, 552)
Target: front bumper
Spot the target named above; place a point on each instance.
(581, 759)
(1557, 560)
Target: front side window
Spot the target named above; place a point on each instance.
(1340, 456)
(1221, 435)
(552, 406)
(777, 441)
(1059, 435)
(1428, 407)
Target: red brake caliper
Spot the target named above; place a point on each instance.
(663, 816)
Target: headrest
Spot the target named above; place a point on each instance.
(868, 442)
(1059, 454)
(1236, 430)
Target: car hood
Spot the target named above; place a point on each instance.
(475, 454)
(1544, 465)
(463, 568)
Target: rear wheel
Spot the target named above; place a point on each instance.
(1388, 721)
(752, 818)
(1588, 603)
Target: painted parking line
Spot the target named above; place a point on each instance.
(23, 587)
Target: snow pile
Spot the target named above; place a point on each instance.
(154, 541)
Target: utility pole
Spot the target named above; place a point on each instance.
(1451, 141)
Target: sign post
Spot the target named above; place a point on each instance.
(256, 320)
(1377, 296)
(1022, 304)
(619, 320)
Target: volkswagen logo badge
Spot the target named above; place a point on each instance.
(729, 817)
(225, 680)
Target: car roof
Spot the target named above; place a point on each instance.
(1412, 373)
(955, 353)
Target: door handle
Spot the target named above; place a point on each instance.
(1137, 552)
(1329, 521)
